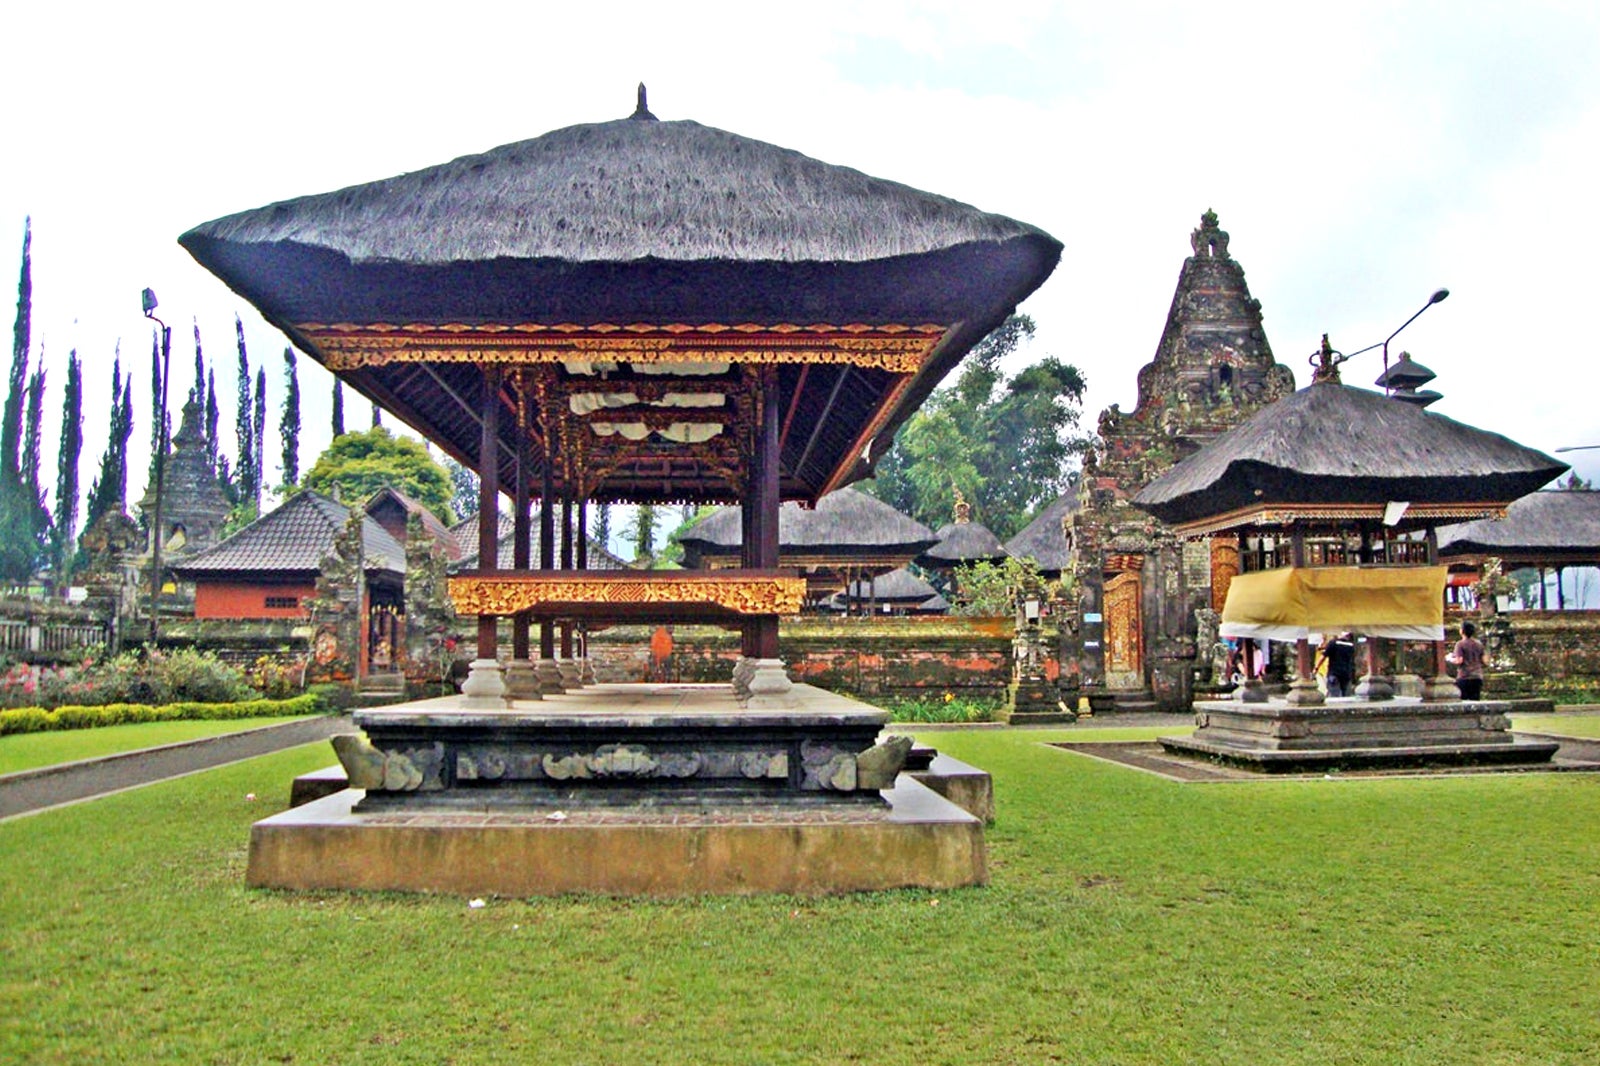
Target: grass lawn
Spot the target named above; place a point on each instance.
(1565, 725)
(24, 751)
(1130, 920)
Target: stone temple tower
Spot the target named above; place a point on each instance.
(1142, 594)
(193, 508)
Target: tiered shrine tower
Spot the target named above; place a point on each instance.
(1142, 593)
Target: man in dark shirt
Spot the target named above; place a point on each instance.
(1340, 653)
(1467, 656)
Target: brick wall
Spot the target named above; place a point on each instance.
(240, 599)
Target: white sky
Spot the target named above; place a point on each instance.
(1361, 155)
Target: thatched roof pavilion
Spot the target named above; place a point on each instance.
(637, 244)
(1044, 540)
(847, 527)
(1341, 454)
(961, 543)
(1552, 528)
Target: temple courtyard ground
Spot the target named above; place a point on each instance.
(1130, 918)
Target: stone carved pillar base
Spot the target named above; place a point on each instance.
(769, 686)
(1375, 687)
(741, 676)
(1440, 689)
(1303, 692)
(1251, 690)
(549, 677)
(571, 673)
(586, 670)
(522, 680)
(485, 686)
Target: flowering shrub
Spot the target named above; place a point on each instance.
(275, 678)
(161, 677)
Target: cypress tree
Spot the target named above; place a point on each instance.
(289, 421)
(199, 390)
(110, 489)
(246, 475)
(21, 342)
(260, 427)
(156, 424)
(32, 450)
(67, 472)
(213, 445)
(338, 408)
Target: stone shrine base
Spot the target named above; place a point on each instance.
(1279, 737)
(615, 828)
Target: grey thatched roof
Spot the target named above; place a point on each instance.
(960, 543)
(465, 534)
(625, 223)
(293, 539)
(845, 523)
(897, 586)
(1043, 540)
(1332, 444)
(1555, 523)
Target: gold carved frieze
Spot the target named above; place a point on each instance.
(894, 349)
(514, 593)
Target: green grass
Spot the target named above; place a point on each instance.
(1565, 725)
(25, 751)
(1130, 920)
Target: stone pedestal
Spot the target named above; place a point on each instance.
(522, 680)
(769, 685)
(1442, 688)
(1279, 736)
(1303, 692)
(1036, 701)
(741, 676)
(1375, 687)
(549, 677)
(485, 686)
(571, 674)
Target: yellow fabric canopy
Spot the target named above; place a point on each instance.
(1403, 602)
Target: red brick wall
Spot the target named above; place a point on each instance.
(240, 599)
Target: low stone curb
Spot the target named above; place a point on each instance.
(27, 791)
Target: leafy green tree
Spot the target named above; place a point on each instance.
(1005, 443)
(289, 421)
(642, 532)
(463, 487)
(33, 453)
(258, 429)
(356, 465)
(71, 448)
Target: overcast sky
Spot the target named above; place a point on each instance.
(1360, 155)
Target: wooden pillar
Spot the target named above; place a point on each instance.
(765, 496)
(489, 499)
(566, 557)
(547, 529)
(522, 521)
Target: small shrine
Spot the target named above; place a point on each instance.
(1133, 640)
(193, 508)
(1335, 495)
(632, 311)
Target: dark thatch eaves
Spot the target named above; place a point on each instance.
(292, 540)
(1331, 444)
(1044, 540)
(961, 544)
(1557, 525)
(897, 587)
(638, 222)
(465, 534)
(846, 524)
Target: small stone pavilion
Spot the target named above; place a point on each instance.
(647, 312)
(1140, 587)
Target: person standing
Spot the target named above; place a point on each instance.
(1340, 653)
(1467, 657)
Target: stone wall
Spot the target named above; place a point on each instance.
(1557, 650)
(861, 656)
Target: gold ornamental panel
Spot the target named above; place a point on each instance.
(513, 594)
(895, 349)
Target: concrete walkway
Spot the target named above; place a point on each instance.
(29, 791)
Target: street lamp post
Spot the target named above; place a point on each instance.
(149, 299)
(1437, 297)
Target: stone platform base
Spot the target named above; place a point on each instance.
(1277, 736)
(919, 840)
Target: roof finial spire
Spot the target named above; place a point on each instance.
(642, 112)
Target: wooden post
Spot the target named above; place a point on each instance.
(522, 532)
(767, 501)
(489, 499)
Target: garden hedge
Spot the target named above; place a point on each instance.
(37, 719)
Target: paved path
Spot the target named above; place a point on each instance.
(51, 786)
